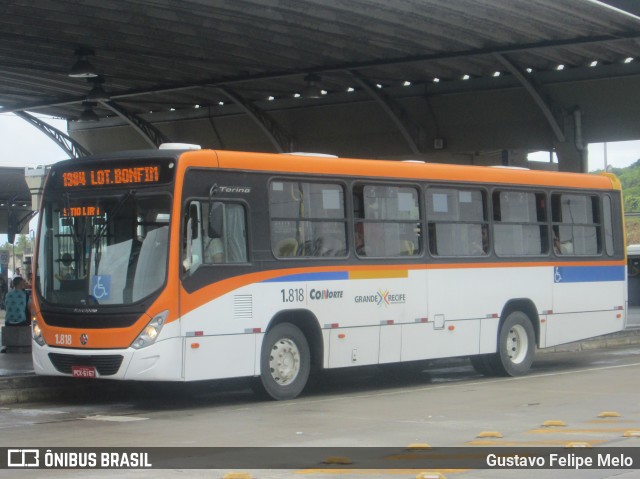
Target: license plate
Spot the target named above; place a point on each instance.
(83, 371)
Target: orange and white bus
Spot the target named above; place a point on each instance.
(187, 265)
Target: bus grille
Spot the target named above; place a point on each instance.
(90, 321)
(105, 365)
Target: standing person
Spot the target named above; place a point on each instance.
(16, 274)
(16, 304)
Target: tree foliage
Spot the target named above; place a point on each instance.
(630, 179)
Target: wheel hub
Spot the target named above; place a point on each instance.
(284, 361)
(517, 344)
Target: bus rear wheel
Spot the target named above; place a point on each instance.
(516, 346)
(285, 362)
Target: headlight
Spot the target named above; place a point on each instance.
(37, 332)
(150, 332)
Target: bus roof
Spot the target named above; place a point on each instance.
(293, 164)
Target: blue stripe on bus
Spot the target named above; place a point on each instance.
(321, 276)
(588, 274)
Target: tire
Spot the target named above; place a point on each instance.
(516, 346)
(285, 362)
(482, 364)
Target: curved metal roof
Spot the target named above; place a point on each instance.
(157, 55)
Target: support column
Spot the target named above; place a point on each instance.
(572, 153)
(570, 159)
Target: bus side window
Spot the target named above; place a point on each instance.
(387, 220)
(457, 222)
(308, 219)
(576, 224)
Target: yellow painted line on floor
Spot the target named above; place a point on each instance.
(579, 431)
(554, 423)
(523, 443)
(611, 421)
(379, 471)
(609, 414)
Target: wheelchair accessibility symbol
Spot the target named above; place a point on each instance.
(557, 277)
(101, 287)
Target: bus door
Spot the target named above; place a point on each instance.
(588, 295)
(214, 246)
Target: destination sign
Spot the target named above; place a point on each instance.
(113, 174)
(75, 211)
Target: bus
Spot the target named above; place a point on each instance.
(189, 265)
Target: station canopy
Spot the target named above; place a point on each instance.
(140, 58)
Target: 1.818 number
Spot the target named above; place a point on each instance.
(294, 295)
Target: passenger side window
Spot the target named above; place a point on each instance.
(386, 221)
(576, 224)
(215, 232)
(307, 219)
(457, 221)
(520, 223)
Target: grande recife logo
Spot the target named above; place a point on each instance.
(382, 298)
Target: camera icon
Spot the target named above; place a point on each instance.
(23, 458)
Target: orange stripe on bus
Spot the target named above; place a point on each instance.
(392, 169)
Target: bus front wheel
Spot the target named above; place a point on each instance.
(516, 346)
(285, 362)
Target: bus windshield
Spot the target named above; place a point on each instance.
(110, 250)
